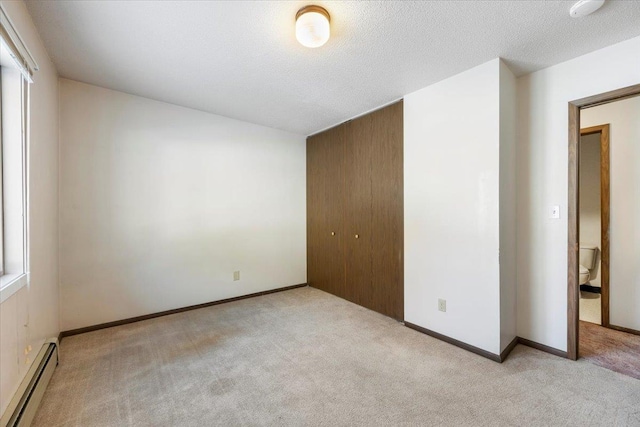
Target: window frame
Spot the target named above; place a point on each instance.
(1, 188)
(26, 64)
(12, 282)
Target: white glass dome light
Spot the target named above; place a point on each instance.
(312, 26)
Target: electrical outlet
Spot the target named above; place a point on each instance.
(236, 276)
(442, 305)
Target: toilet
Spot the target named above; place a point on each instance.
(587, 269)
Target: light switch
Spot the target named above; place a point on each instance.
(554, 212)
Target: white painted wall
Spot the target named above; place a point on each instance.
(451, 196)
(508, 103)
(590, 195)
(624, 276)
(36, 305)
(160, 204)
(542, 180)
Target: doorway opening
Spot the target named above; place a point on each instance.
(593, 214)
(603, 326)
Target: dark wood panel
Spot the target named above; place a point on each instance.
(605, 214)
(315, 189)
(358, 210)
(335, 228)
(325, 207)
(573, 289)
(387, 290)
(355, 211)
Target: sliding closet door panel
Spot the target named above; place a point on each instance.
(315, 188)
(387, 288)
(335, 197)
(355, 211)
(358, 211)
(325, 211)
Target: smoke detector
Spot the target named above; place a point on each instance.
(585, 7)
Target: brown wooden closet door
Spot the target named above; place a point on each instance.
(387, 287)
(358, 231)
(325, 211)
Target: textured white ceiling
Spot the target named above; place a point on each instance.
(240, 59)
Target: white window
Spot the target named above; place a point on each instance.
(15, 76)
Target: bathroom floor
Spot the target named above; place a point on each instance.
(590, 309)
(611, 349)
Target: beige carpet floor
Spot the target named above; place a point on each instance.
(306, 358)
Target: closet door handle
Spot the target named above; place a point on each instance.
(333, 233)
(357, 236)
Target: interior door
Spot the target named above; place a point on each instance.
(358, 231)
(325, 211)
(387, 287)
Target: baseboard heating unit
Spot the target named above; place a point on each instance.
(22, 408)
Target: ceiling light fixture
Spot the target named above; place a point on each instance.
(585, 7)
(312, 26)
